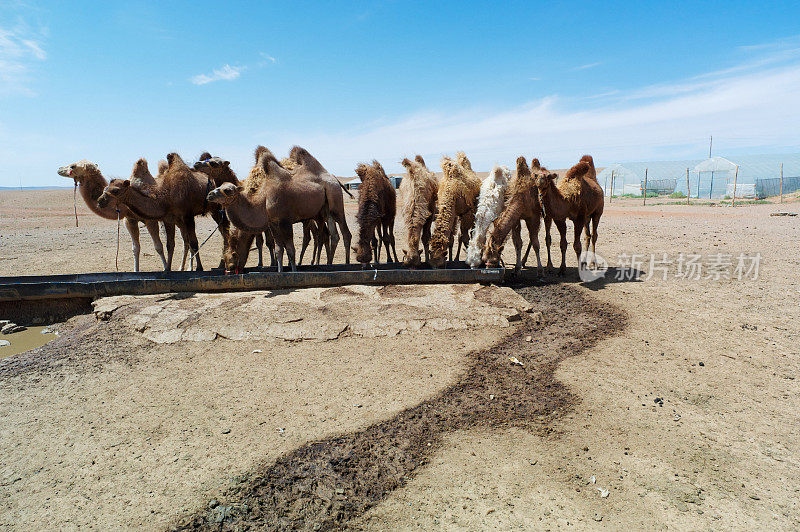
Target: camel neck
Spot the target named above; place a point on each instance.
(91, 187)
(143, 206)
(248, 214)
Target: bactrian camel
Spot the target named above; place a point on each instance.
(522, 204)
(377, 203)
(491, 202)
(418, 193)
(220, 171)
(271, 199)
(577, 197)
(90, 183)
(458, 196)
(308, 167)
(177, 197)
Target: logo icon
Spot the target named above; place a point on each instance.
(599, 270)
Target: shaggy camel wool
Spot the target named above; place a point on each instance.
(458, 185)
(418, 193)
(490, 204)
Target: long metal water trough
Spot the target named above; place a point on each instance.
(94, 285)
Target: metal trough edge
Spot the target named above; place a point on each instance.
(30, 288)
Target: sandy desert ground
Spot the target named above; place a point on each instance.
(662, 402)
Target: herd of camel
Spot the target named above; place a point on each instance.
(297, 189)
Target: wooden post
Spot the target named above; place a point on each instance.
(687, 186)
(644, 193)
(711, 188)
(781, 182)
(735, 178)
(611, 192)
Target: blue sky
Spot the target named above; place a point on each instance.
(114, 81)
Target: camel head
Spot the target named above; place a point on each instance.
(411, 258)
(500, 174)
(437, 259)
(114, 192)
(491, 252)
(79, 170)
(238, 249)
(224, 194)
(420, 160)
(210, 162)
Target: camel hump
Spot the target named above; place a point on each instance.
(407, 163)
(462, 159)
(588, 159)
(378, 166)
(535, 163)
(361, 170)
(173, 159)
(260, 150)
(203, 156)
(420, 160)
(578, 170)
(522, 166)
(267, 161)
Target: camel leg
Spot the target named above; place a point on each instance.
(533, 233)
(288, 238)
(516, 238)
(306, 240)
(152, 228)
(326, 241)
(595, 223)
(346, 236)
(224, 226)
(528, 249)
(562, 230)
(260, 248)
(133, 229)
(270, 243)
(578, 225)
(194, 245)
(587, 238)
(392, 240)
(385, 239)
(169, 230)
(426, 238)
(547, 241)
(185, 238)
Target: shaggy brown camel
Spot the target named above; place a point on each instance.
(177, 197)
(307, 167)
(90, 183)
(271, 199)
(522, 204)
(220, 171)
(377, 204)
(419, 192)
(577, 197)
(458, 197)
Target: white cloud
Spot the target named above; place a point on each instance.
(19, 48)
(226, 73)
(587, 66)
(758, 108)
(266, 59)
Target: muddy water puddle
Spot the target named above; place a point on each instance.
(22, 341)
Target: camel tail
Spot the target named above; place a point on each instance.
(345, 189)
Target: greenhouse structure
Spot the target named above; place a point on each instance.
(755, 176)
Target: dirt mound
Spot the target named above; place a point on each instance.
(325, 484)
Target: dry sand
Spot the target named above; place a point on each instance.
(106, 427)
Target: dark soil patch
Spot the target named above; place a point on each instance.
(322, 485)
